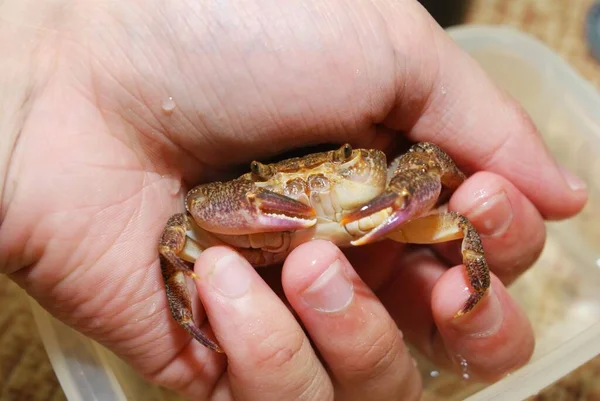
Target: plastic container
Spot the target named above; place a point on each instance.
(561, 294)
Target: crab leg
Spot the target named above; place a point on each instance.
(174, 269)
(446, 227)
(422, 178)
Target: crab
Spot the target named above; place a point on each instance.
(348, 196)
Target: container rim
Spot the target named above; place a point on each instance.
(540, 373)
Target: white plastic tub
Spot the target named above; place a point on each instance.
(561, 293)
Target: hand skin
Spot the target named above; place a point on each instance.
(92, 167)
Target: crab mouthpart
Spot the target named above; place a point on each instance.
(282, 213)
(401, 212)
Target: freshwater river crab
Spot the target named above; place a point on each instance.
(348, 196)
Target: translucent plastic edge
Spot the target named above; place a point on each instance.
(471, 37)
(539, 374)
(57, 359)
(70, 375)
(549, 368)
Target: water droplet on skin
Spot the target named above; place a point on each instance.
(434, 373)
(152, 308)
(464, 367)
(173, 185)
(168, 105)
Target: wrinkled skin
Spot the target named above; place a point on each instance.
(346, 196)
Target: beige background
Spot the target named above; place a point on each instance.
(26, 373)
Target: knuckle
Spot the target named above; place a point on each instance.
(284, 360)
(314, 387)
(374, 356)
(277, 349)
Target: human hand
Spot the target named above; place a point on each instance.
(94, 166)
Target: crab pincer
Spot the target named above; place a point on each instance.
(400, 203)
(241, 208)
(414, 190)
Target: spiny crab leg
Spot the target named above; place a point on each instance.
(174, 269)
(449, 226)
(416, 184)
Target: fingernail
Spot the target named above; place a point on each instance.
(332, 291)
(230, 276)
(574, 182)
(492, 217)
(483, 321)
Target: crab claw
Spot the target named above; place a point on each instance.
(401, 211)
(280, 212)
(239, 207)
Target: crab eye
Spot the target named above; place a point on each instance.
(347, 151)
(343, 154)
(260, 170)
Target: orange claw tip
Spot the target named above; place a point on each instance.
(356, 215)
(470, 304)
(397, 218)
(458, 314)
(192, 275)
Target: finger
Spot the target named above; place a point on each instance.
(269, 356)
(386, 253)
(511, 228)
(407, 295)
(493, 340)
(353, 332)
(421, 298)
(443, 96)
